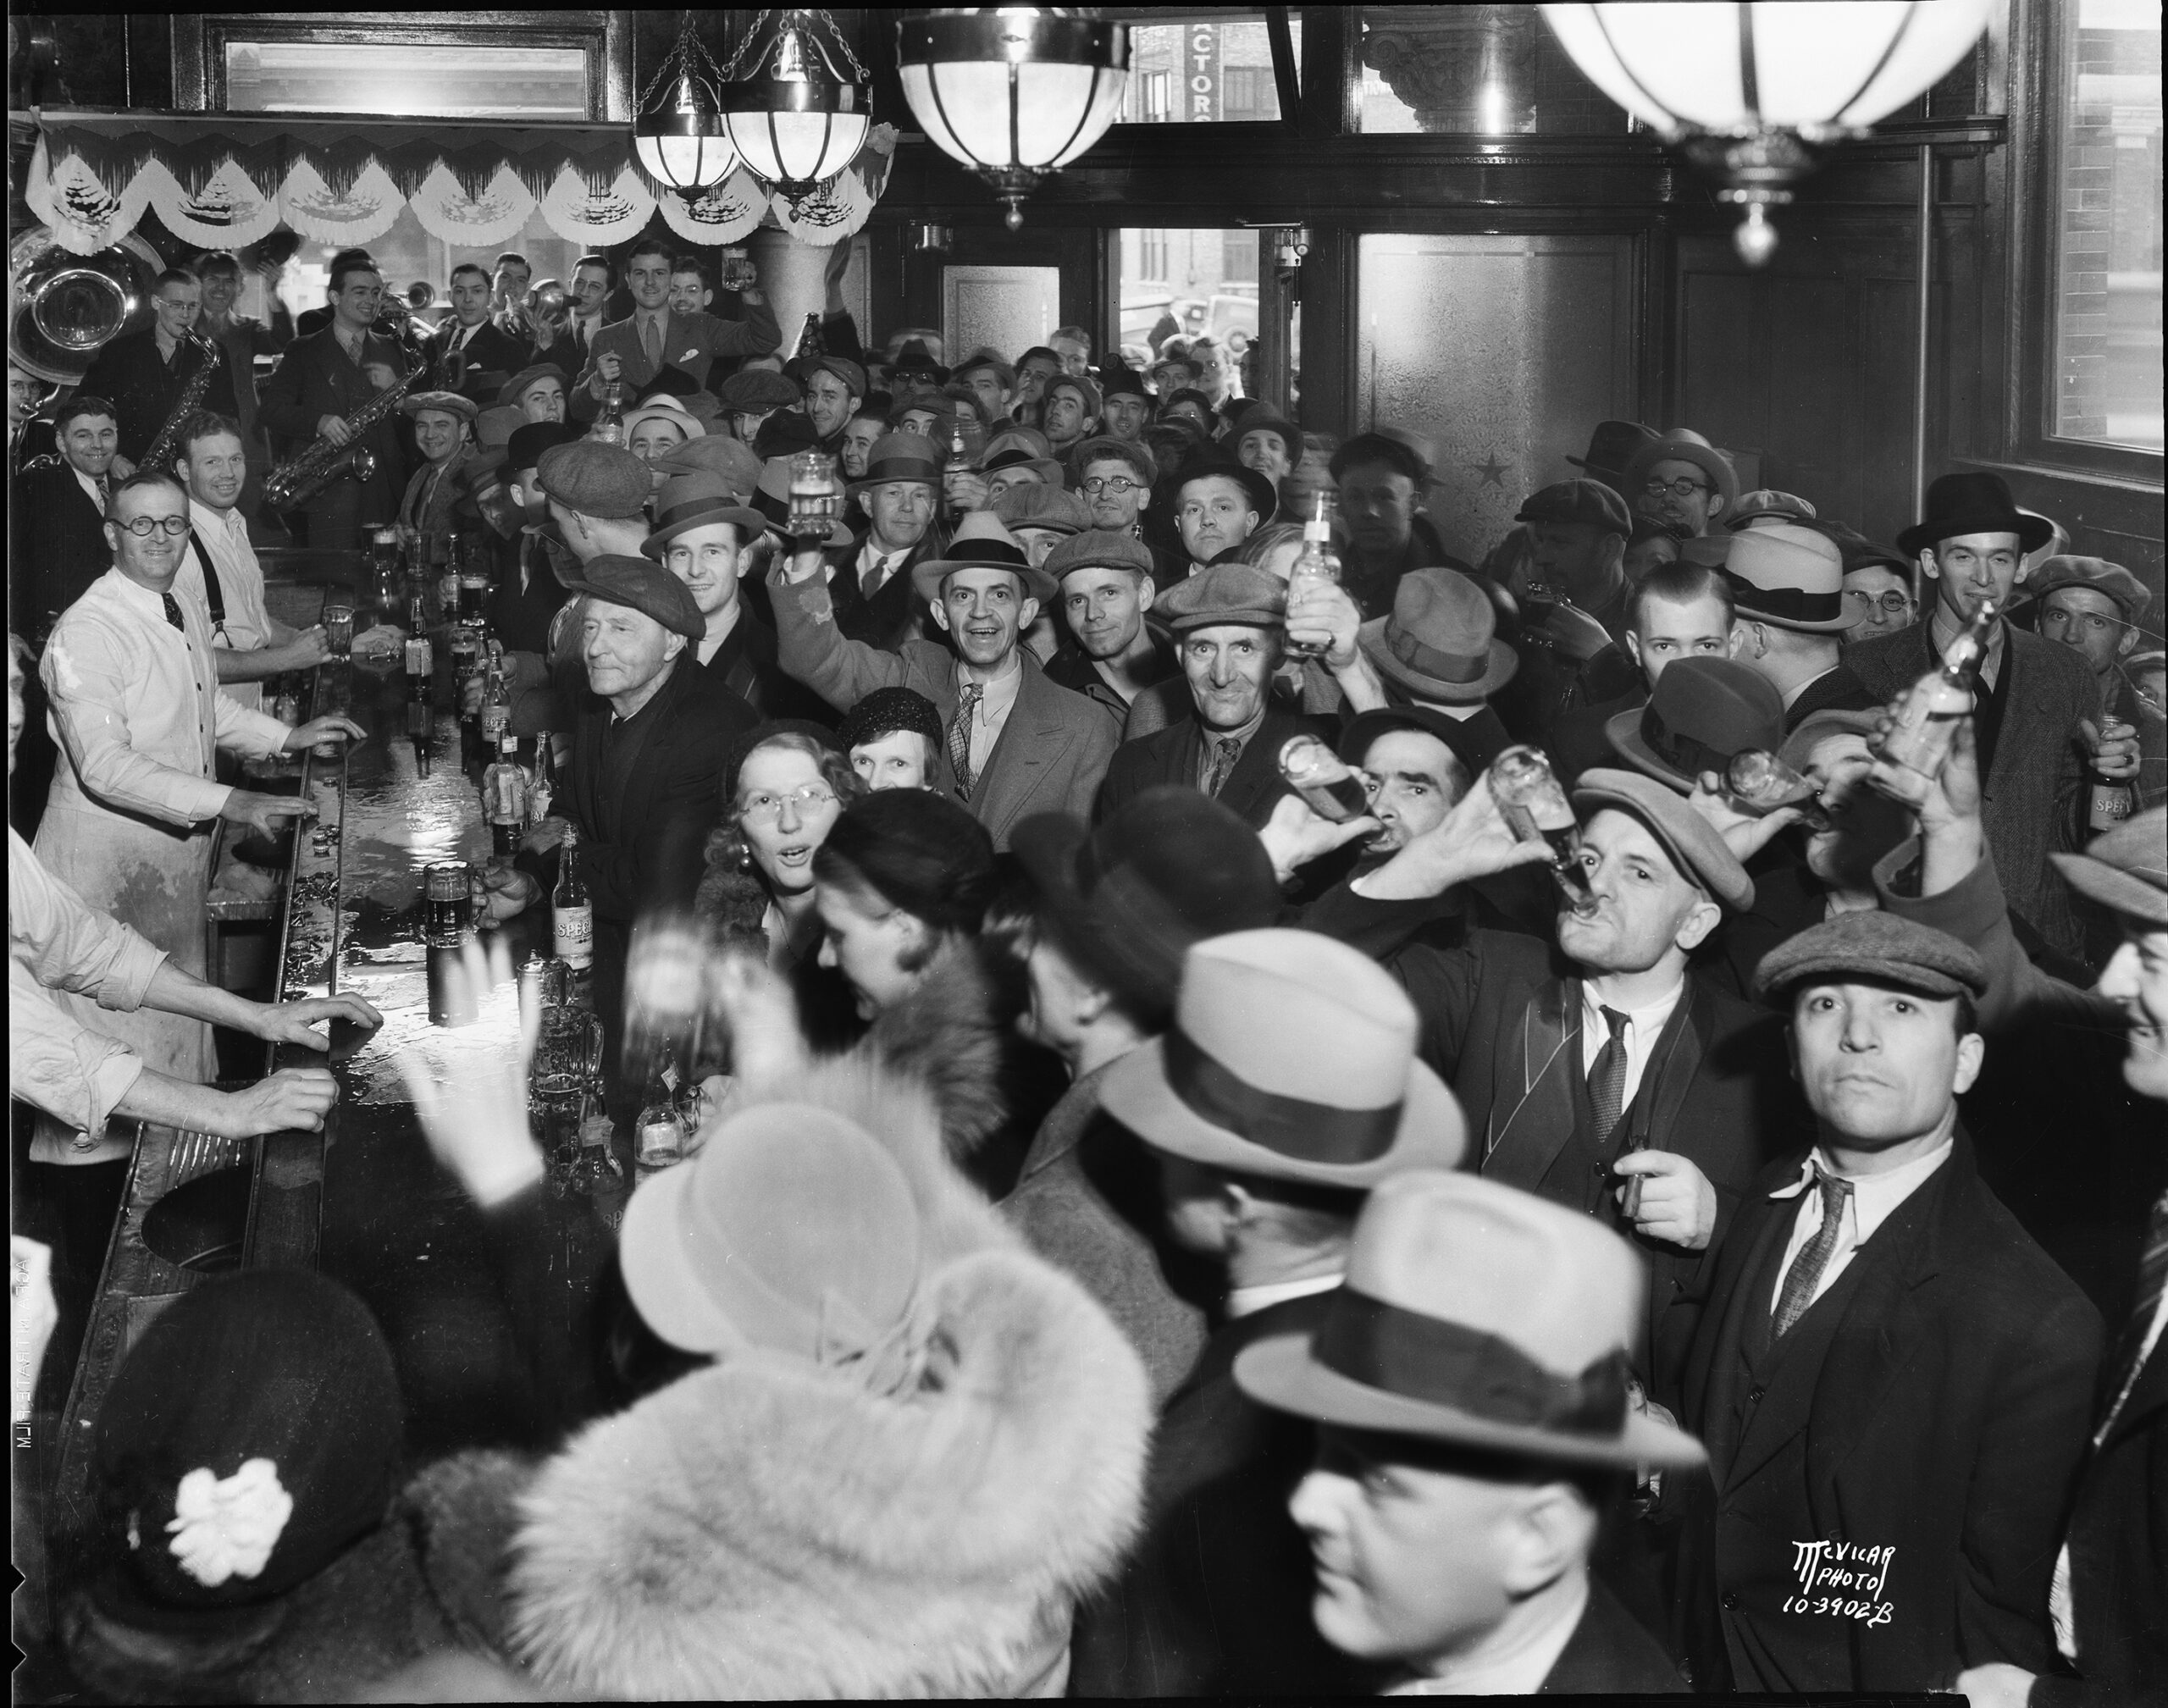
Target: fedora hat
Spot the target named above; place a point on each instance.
(1290, 1056)
(1215, 459)
(1481, 1315)
(1612, 446)
(1788, 574)
(670, 411)
(1128, 900)
(1263, 418)
(717, 454)
(1010, 448)
(2125, 869)
(1717, 708)
(698, 499)
(900, 457)
(1684, 445)
(980, 542)
(1440, 640)
(1973, 503)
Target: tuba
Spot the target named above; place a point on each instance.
(295, 482)
(209, 357)
(63, 308)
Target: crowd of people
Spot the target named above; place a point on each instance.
(1159, 1229)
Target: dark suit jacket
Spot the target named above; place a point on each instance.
(1935, 1401)
(2036, 771)
(2118, 1546)
(644, 808)
(747, 664)
(130, 372)
(519, 615)
(1838, 690)
(690, 341)
(1216, 1599)
(1172, 755)
(1052, 749)
(314, 379)
(1578, 740)
(1502, 1022)
(492, 353)
(894, 613)
(1610, 1654)
(56, 546)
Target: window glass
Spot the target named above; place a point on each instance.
(1200, 67)
(1476, 70)
(432, 80)
(2106, 204)
(1188, 282)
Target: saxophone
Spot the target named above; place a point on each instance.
(297, 480)
(160, 456)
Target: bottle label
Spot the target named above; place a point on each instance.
(660, 1141)
(538, 804)
(2111, 805)
(495, 716)
(572, 934)
(419, 661)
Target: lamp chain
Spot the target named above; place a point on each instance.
(691, 55)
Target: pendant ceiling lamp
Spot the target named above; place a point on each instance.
(679, 134)
(1748, 93)
(1014, 92)
(796, 103)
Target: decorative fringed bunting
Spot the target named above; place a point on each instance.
(223, 181)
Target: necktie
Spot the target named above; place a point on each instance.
(1607, 1078)
(1805, 1272)
(960, 738)
(1225, 752)
(2152, 1282)
(651, 341)
(870, 582)
(173, 612)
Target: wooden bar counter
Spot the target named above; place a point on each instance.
(363, 1200)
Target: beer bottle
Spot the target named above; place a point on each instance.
(596, 1172)
(542, 792)
(609, 426)
(1317, 563)
(1535, 808)
(496, 702)
(421, 659)
(571, 915)
(811, 347)
(1319, 775)
(2111, 801)
(1759, 783)
(504, 798)
(1928, 714)
(659, 1134)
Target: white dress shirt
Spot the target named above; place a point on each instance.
(96, 491)
(1520, 1673)
(56, 942)
(223, 534)
(137, 708)
(1874, 1198)
(1247, 1302)
(1644, 1027)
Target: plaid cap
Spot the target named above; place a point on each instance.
(1870, 947)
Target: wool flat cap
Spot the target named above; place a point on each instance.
(518, 385)
(1263, 418)
(446, 402)
(1767, 504)
(1037, 505)
(752, 388)
(646, 587)
(852, 375)
(1098, 548)
(992, 362)
(494, 426)
(1394, 452)
(1227, 592)
(1589, 501)
(527, 444)
(885, 712)
(596, 479)
(1695, 845)
(727, 459)
(2125, 869)
(2131, 595)
(1105, 448)
(1870, 947)
(1081, 386)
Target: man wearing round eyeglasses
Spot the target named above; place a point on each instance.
(1878, 593)
(131, 817)
(1679, 479)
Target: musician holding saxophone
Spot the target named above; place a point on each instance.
(324, 380)
(149, 374)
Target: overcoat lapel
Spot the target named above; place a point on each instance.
(1534, 1083)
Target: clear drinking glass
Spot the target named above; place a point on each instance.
(338, 629)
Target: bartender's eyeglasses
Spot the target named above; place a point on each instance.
(143, 527)
(1680, 488)
(1117, 484)
(763, 808)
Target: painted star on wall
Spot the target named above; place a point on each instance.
(1492, 471)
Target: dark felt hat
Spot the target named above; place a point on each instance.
(251, 1436)
(900, 457)
(885, 710)
(1870, 947)
(1977, 502)
(1612, 446)
(1004, 370)
(1129, 899)
(1478, 1314)
(914, 359)
(717, 454)
(785, 434)
(1440, 641)
(527, 445)
(1473, 741)
(1701, 713)
(1695, 845)
(1589, 501)
(980, 542)
(1263, 495)
(1392, 450)
(645, 586)
(698, 499)
(2125, 869)
(1117, 379)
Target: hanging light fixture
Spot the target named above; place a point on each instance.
(796, 103)
(1014, 92)
(1749, 92)
(678, 135)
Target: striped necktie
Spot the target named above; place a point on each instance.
(1607, 1077)
(1804, 1274)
